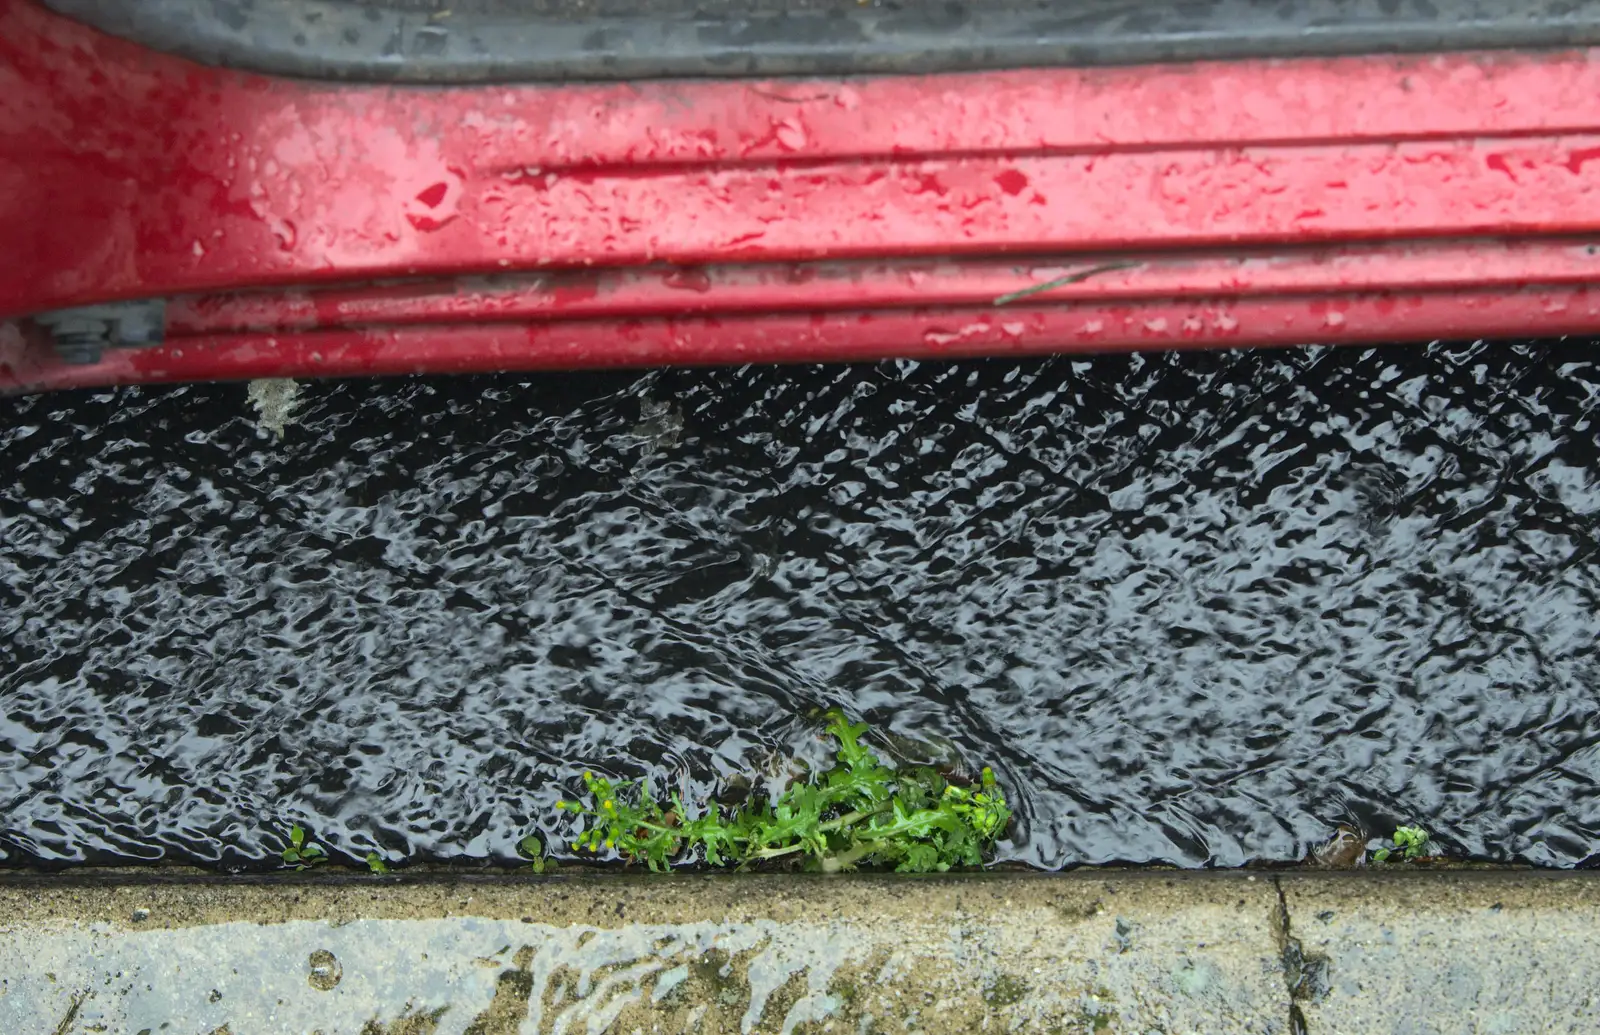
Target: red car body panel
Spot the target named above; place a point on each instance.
(299, 228)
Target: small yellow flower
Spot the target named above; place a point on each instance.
(561, 804)
(609, 844)
(608, 805)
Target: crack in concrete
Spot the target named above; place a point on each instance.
(72, 1012)
(1307, 976)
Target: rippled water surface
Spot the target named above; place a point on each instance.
(1194, 609)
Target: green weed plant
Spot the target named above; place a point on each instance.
(858, 813)
(302, 853)
(1407, 844)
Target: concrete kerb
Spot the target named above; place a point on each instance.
(1485, 953)
(1100, 952)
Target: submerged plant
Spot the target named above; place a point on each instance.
(1407, 844)
(376, 864)
(302, 853)
(858, 813)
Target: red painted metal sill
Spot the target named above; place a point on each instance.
(303, 229)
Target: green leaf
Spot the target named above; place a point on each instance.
(531, 847)
(919, 859)
(296, 835)
(1409, 842)
(290, 855)
(375, 864)
(313, 852)
(860, 780)
(1381, 855)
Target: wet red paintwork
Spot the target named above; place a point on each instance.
(125, 174)
(942, 332)
(835, 286)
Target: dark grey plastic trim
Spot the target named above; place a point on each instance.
(331, 39)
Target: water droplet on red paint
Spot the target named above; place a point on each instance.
(1580, 157)
(428, 223)
(791, 135)
(433, 207)
(1499, 164)
(1012, 181)
(688, 280)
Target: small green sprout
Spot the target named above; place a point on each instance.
(860, 812)
(1408, 843)
(302, 853)
(376, 865)
(532, 849)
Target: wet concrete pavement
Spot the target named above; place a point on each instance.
(1488, 954)
(1143, 953)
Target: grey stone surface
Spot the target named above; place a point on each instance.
(1475, 953)
(1146, 953)
(1401, 951)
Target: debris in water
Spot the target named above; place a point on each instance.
(274, 399)
(1345, 850)
(659, 424)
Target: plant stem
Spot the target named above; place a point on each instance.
(774, 853)
(848, 819)
(845, 860)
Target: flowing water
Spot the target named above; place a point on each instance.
(1194, 609)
